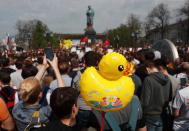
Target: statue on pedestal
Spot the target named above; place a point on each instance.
(90, 16)
(90, 31)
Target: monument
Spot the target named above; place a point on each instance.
(89, 30)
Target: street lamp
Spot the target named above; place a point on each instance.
(28, 38)
(48, 35)
(116, 38)
(136, 35)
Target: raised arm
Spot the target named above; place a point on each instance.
(41, 72)
(54, 64)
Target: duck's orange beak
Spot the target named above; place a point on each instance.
(129, 69)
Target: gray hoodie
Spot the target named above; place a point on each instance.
(23, 114)
(155, 93)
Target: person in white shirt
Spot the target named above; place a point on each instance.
(63, 67)
(81, 54)
(183, 75)
(12, 63)
(16, 77)
(181, 110)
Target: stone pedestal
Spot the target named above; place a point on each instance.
(90, 33)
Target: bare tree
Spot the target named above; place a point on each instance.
(158, 18)
(134, 22)
(34, 32)
(24, 30)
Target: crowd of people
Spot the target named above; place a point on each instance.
(41, 94)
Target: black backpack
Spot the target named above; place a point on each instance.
(73, 74)
(7, 93)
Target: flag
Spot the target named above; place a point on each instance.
(84, 39)
(8, 42)
(106, 43)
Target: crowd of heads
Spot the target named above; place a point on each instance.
(63, 101)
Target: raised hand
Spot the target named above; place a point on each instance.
(54, 62)
(45, 63)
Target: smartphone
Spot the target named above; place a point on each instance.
(49, 53)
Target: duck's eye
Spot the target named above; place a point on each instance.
(120, 68)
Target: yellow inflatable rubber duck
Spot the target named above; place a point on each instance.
(109, 88)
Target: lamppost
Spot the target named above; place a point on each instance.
(48, 35)
(116, 38)
(136, 35)
(28, 38)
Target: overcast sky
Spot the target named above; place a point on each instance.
(68, 16)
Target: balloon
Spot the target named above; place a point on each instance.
(65, 44)
(107, 89)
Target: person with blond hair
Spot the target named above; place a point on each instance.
(31, 93)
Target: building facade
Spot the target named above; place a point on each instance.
(177, 33)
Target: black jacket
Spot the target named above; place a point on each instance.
(155, 94)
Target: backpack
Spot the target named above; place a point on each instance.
(7, 93)
(131, 125)
(76, 78)
(73, 74)
(35, 123)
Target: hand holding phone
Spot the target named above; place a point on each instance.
(49, 53)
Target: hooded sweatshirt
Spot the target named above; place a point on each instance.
(155, 94)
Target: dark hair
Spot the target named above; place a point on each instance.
(90, 58)
(19, 64)
(27, 63)
(62, 101)
(149, 64)
(4, 62)
(29, 71)
(40, 60)
(50, 72)
(74, 55)
(74, 63)
(149, 55)
(5, 77)
(143, 70)
(160, 62)
(63, 67)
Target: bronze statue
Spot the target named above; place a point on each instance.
(90, 15)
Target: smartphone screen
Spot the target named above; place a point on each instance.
(49, 53)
